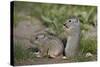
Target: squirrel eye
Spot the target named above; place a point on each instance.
(69, 20)
(36, 38)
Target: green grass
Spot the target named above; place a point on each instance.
(83, 58)
(21, 54)
(89, 45)
(54, 15)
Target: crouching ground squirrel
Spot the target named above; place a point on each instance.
(49, 46)
(72, 27)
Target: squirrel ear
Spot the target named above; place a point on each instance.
(78, 20)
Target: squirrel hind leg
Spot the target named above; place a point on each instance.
(55, 55)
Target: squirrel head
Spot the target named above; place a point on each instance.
(72, 22)
(40, 38)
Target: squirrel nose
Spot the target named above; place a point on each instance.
(64, 24)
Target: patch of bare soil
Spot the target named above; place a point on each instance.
(39, 61)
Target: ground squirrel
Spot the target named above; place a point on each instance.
(49, 45)
(72, 27)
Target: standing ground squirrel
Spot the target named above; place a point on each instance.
(72, 27)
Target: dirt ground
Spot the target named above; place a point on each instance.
(38, 61)
(41, 61)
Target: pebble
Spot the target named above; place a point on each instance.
(88, 54)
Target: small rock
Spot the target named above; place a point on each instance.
(64, 57)
(88, 54)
